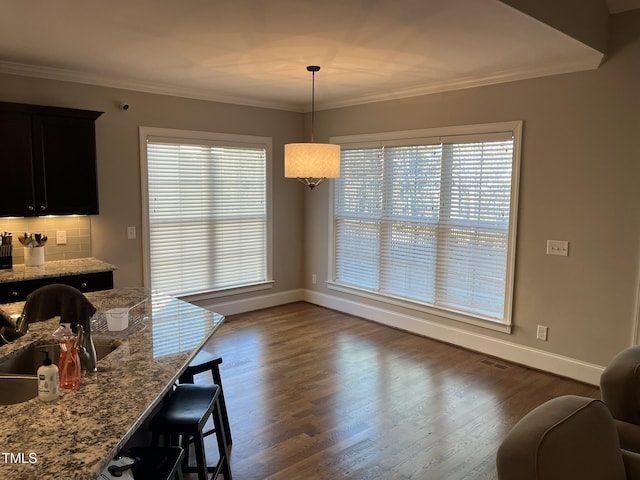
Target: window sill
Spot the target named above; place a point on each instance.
(439, 312)
(227, 292)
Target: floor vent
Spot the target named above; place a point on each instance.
(494, 364)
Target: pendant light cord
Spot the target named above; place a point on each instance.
(313, 103)
(313, 69)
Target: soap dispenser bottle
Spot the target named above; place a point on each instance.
(48, 380)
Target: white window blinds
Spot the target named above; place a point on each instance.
(207, 215)
(429, 222)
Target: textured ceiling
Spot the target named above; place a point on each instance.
(254, 52)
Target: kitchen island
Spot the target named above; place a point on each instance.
(76, 436)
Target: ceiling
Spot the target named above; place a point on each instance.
(255, 52)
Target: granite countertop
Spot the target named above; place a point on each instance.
(56, 268)
(76, 436)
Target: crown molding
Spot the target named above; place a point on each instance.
(65, 75)
(589, 62)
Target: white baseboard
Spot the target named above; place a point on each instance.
(531, 357)
(250, 304)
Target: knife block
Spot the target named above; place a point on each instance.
(6, 259)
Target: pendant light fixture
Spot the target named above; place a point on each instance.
(312, 163)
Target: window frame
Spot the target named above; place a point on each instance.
(430, 136)
(221, 139)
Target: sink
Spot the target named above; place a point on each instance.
(27, 361)
(17, 388)
(18, 381)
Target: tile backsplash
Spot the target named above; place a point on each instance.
(78, 230)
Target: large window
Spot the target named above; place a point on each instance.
(207, 205)
(427, 218)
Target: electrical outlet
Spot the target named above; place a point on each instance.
(558, 247)
(313, 278)
(61, 237)
(542, 333)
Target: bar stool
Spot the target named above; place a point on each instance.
(184, 415)
(157, 463)
(203, 362)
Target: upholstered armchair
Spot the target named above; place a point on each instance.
(620, 388)
(566, 438)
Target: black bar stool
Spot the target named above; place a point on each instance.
(203, 362)
(184, 415)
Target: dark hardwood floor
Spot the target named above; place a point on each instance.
(316, 394)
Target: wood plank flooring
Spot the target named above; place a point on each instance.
(315, 394)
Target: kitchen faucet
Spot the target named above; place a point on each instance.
(87, 350)
(22, 324)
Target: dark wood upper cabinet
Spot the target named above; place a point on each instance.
(47, 161)
(16, 167)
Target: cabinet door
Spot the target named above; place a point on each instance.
(64, 165)
(16, 166)
(89, 282)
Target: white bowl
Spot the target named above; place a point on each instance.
(117, 319)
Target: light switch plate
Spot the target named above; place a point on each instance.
(131, 233)
(558, 247)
